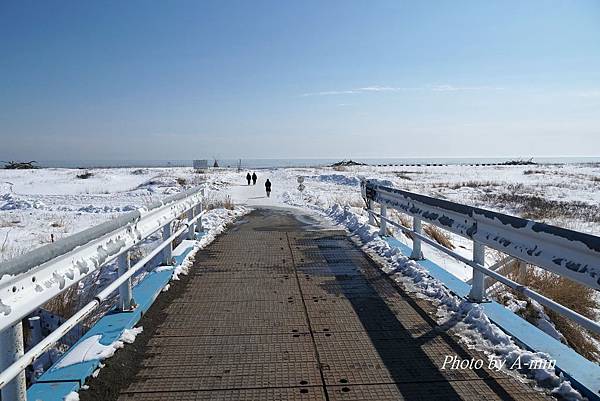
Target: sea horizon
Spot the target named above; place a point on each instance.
(310, 162)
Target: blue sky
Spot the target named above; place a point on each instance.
(276, 79)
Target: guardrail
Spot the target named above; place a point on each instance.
(568, 253)
(33, 279)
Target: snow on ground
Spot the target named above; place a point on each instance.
(36, 205)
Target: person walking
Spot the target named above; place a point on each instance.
(248, 178)
(268, 188)
(254, 177)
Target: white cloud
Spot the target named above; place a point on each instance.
(378, 88)
(453, 88)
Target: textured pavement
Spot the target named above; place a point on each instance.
(281, 309)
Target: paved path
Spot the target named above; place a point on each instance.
(277, 309)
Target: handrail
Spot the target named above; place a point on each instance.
(567, 253)
(35, 278)
(45, 272)
(35, 352)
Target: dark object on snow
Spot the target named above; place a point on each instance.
(216, 164)
(12, 165)
(248, 178)
(85, 176)
(529, 162)
(268, 187)
(347, 163)
(254, 177)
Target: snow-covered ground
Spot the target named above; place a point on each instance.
(37, 206)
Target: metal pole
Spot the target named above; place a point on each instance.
(417, 254)
(199, 221)
(383, 223)
(192, 228)
(11, 349)
(371, 216)
(125, 299)
(477, 293)
(168, 251)
(35, 330)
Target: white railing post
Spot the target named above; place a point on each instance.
(200, 210)
(383, 222)
(417, 254)
(168, 251)
(11, 349)
(477, 293)
(125, 299)
(192, 227)
(370, 210)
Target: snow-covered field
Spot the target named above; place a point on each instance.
(38, 206)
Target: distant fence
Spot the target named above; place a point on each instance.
(31, 280)
(568, 253)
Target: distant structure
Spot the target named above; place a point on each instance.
(200, 165)
(239, 165)
(216, 164)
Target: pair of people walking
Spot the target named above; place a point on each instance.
(252, 177)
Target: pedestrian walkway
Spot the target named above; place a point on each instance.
(277, 309)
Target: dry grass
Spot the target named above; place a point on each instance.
(9, 222)
(352, 201)
(574, 296)
(212, 202)
(340, 168)
(537, 208)
(439, 236)
(64, 305)
(8, 250)
(474, 184)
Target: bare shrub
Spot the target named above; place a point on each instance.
(181, 181)
(529, 172)
(438, 236)
(340, 168)
(474, 184)
(212, 202)
(575, 296)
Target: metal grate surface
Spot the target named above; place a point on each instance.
(273, 310)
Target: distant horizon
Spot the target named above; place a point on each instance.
(259, 163)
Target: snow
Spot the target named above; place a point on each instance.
(72, 396)
(38, 204)
(88, 350)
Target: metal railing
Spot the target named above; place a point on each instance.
(567, 253)
(28, 282)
